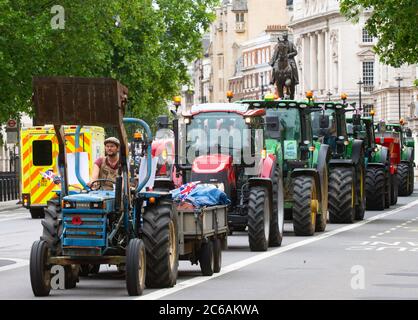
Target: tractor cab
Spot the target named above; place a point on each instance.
(221, 141)
(330, 127)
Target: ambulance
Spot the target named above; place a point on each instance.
(39, 162)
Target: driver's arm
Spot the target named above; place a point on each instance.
(95, 174)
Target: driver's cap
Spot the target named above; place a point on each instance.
(112, 140)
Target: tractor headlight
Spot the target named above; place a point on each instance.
(67, 204)
(97, 205)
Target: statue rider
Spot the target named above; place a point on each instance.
(291, 53)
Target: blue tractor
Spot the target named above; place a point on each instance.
(131, 228)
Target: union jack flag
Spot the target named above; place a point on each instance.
(49, 174)
(185, 189)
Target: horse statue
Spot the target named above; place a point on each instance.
(283, 73)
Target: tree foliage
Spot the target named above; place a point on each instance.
(394, 23)
(148, 51)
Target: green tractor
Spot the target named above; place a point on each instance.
(304, 163)
(407, 164)
(346, 197)
(381, 180)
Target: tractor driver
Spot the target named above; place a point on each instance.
(107, 167)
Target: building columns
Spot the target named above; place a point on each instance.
(313, 62)
(321, 62)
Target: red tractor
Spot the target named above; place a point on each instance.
(223, 144)
(392, 141)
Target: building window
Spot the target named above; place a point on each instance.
(368, 74)
(366, 109)
(263, 56)
(366, 37)
(239, 17)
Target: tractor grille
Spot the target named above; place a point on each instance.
(83, 230)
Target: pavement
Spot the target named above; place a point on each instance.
(9, 205)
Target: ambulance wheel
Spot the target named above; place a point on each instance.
(37, 213)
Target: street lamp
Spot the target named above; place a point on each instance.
(399, 79)
(360, 83)
(329, 94)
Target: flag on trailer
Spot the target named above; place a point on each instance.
(185, 189)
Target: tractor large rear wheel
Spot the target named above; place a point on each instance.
(411, 179)
(375, 188)
(277, 219)
(305, 206)
(259, 218)
(394, 189)
(342, 193)
(403, 179)
(52, 228)
(160, 235)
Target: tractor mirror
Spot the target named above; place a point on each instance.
(324, 122)
(162, 122)
(408, 133)
(273, 126)
(356, 119)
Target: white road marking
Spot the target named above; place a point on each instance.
(380, 234)
(265, 255)
(19, 263)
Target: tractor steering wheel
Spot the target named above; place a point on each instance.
(100, 183)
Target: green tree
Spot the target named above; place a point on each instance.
(394, 23)
(147, 50)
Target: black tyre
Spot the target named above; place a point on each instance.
(277, 219)
(259, 213)
(394, 189)
(160, 235)
(305, 206)
(37, 213)
(135, 267)
(375, 188)
(388, 189)
(40, 271)
(217, 254)
(403, 179)
(207, 259)
(86, 269)
(71, 276)
(360, 192)
(411, 179)
(52, 228)
(341, 196)
(322, 216)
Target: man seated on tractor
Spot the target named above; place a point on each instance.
(107, 167)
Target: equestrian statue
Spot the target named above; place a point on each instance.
(285, 72)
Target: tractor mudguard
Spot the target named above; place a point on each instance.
(376, 165)
(341, 163)
(267, 167)
(408, 155)
(311, 172)
(357, 148)
(265, 183)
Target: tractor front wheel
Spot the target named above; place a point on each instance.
(259, 219)
(135, 267)
(342, 195)
(40, 271)
(375, 188)
(394, 189)
(277, 219)
(305, 206)
(403, 179)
